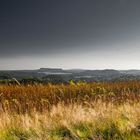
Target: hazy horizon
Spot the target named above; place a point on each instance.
(70, 34)
(66, 69)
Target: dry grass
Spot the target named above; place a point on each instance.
(95, 111)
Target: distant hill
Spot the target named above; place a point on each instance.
(131, 72)
(50, 70)
(58, 74)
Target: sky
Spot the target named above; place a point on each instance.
(87, 34)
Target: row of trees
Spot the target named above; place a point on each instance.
(55, 79)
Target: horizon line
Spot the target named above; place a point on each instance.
(63, 69)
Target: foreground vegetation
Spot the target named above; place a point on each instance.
(81, 111)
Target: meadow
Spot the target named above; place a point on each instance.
(75, 111)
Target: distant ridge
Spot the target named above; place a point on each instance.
(74, 74)
(50, 70)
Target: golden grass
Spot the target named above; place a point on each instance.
(94, 111)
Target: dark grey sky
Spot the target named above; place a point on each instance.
(94, 34)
